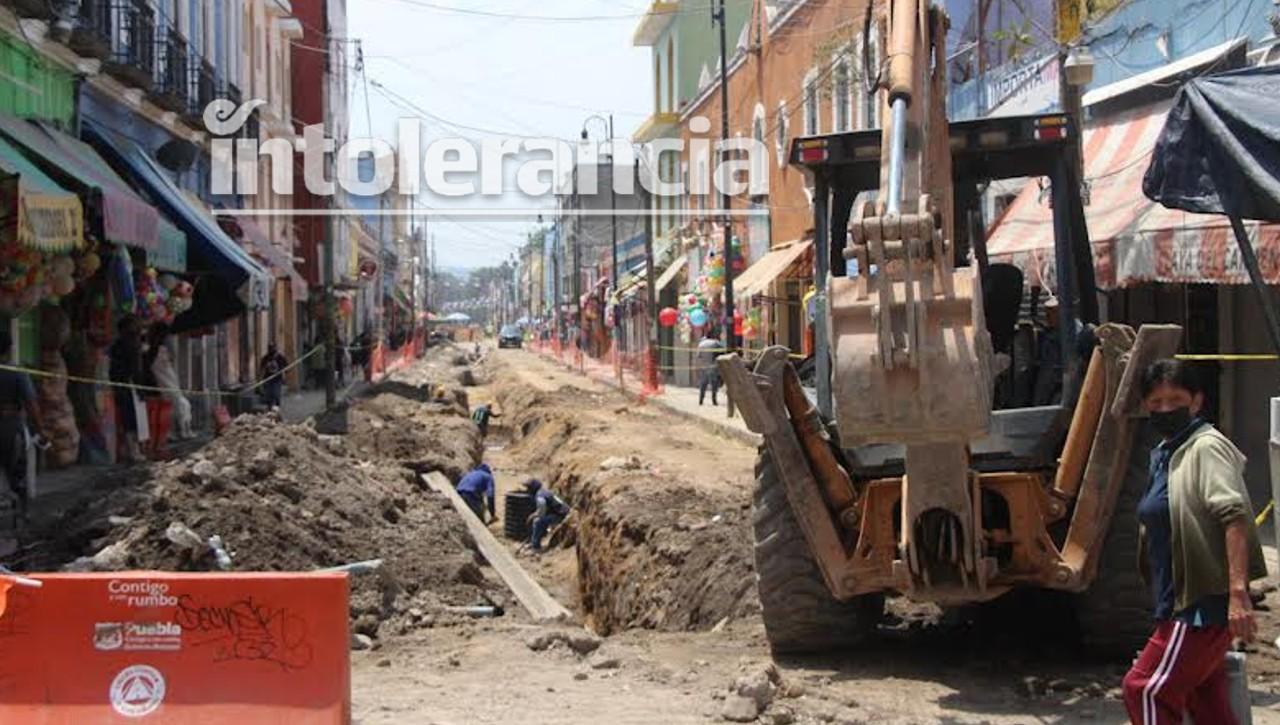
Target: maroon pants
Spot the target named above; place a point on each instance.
(1181, 671)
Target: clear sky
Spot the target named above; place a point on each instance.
(507, 74)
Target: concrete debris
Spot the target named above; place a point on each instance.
(580, 676)
(739, 709)
(758, 686)
(620, 463)
(204, 470)
(581, 642)
(602, 661)
(361, 642)
(183, 537)
(112, 558)
(720, 625)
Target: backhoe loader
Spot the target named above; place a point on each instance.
(901, 474)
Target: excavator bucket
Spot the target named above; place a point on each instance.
(931, 381)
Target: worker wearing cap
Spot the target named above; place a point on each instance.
(551, 510)
(477, 489)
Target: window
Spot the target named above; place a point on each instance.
(759, 151)
(841, 94)
(782, 131)
(872, 100)
(812, 124)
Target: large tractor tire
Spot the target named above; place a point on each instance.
(800, 614)
(1114, 614)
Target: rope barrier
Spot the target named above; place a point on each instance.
(156, 389)
(1227, 358)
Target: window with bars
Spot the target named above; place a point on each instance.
(841, 94)
(812, 122)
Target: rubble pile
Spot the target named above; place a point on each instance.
(282, 497)
(424, 428)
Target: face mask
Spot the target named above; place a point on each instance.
(1172, 422)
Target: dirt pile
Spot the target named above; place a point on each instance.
(654, 549)
(284, 498)
(424, 428)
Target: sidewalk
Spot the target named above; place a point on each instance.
(297, 407)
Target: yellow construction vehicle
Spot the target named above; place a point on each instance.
(900, 473)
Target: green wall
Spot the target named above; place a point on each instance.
(698, 43)
(31, 87)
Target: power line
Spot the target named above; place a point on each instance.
(436, 7)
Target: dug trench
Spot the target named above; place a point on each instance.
(661, 540)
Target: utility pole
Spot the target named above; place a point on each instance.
(651, 300)
(577, 272)
(330, 301)
(613, 222)
(730, 336)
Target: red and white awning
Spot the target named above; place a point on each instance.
(1134, 239)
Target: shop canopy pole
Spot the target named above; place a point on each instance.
(1250, 260)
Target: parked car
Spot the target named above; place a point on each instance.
(509, 336)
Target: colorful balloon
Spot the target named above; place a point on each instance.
(669, 317)
(697, 317)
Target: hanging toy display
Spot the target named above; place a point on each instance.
(122, 287)
(29, 276)
(751, 325)
(686, 332)
(698, 317)
(668, 317)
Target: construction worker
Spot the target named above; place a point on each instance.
(551, 510)
(481, 416)
(1199, 551)
(478, 490)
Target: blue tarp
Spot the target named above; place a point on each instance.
(223, 268)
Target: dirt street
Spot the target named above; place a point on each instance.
(657, 559)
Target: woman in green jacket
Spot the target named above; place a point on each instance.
(1199, 551)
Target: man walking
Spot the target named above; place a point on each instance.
(708, 376)
(477, 489)
(550, 511)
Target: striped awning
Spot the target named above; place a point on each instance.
(1134, 239)
(757, 278)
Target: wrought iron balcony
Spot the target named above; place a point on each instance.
(204, 87)
(91, 36)
(132, 28)
(41, 9)
(171, 90)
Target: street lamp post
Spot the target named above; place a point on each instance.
(613, 224)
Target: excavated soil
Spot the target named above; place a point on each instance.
(286, 498)
(655, 548)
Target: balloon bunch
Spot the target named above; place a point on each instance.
(29, 276)
(160, 297)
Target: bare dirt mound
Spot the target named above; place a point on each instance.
(655, 549)
(282, 498)
(398, 422)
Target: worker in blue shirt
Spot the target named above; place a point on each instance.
(550, 510)
(477, 489)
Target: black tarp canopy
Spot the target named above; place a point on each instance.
(1219, 153)
(1220, 149)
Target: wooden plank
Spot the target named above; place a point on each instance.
(540, 605)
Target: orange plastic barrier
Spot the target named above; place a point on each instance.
(159, 647)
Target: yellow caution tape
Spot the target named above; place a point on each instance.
(1227, 358)
(154, 389)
